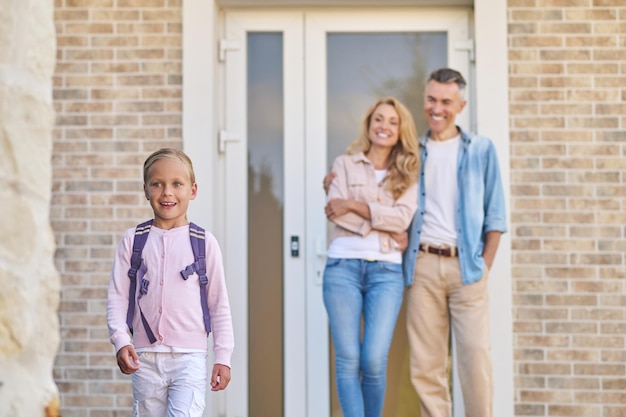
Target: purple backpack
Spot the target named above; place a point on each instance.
(138, 269)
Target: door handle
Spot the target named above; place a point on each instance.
(295, 246)
(320, 254)
(224, 136)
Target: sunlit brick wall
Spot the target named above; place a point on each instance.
(568, 175)
(117, 93)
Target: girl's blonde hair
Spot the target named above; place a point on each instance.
(404, 158)
(169, 153)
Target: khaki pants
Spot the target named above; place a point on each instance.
(436, 299)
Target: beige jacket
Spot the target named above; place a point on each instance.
(356, 180)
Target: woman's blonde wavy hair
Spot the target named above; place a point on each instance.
(404, 158)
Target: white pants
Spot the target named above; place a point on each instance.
(170, 385)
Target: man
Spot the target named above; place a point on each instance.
(452, 243)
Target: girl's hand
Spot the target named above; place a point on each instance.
(220, 377)
(127, 360)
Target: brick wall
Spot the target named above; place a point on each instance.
(117, 93)
(568, 178)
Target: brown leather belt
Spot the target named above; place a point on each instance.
(445, 251)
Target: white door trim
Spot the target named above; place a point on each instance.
(492, 120)
(237, 25)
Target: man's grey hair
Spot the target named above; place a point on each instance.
(448, 75)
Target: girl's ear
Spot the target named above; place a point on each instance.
(194, 190)
(145, 192)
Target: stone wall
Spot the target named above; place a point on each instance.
(118, 97)
(29, 295)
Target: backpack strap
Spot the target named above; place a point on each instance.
(198, 245)
(136, 273)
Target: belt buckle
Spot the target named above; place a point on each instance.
(441, 250)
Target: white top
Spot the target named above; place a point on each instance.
(440, 183)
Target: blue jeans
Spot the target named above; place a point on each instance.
(355, 289)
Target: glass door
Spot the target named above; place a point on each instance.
(352, 59)
(296, 86)
(263, 144)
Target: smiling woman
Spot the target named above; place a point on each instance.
(372, 196)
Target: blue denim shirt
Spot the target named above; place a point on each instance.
(480, 206)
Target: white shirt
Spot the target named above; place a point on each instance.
(440, 183)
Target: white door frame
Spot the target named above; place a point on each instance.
(237, 26)
(453, 21)
(202, 118)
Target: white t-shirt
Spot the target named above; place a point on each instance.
(440, 183)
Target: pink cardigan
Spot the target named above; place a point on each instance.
(172, 305)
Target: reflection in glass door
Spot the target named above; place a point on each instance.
(354, 81)
(265, 222)
(362, 67)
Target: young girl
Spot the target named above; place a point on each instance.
(373, 194)
(165, 349)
